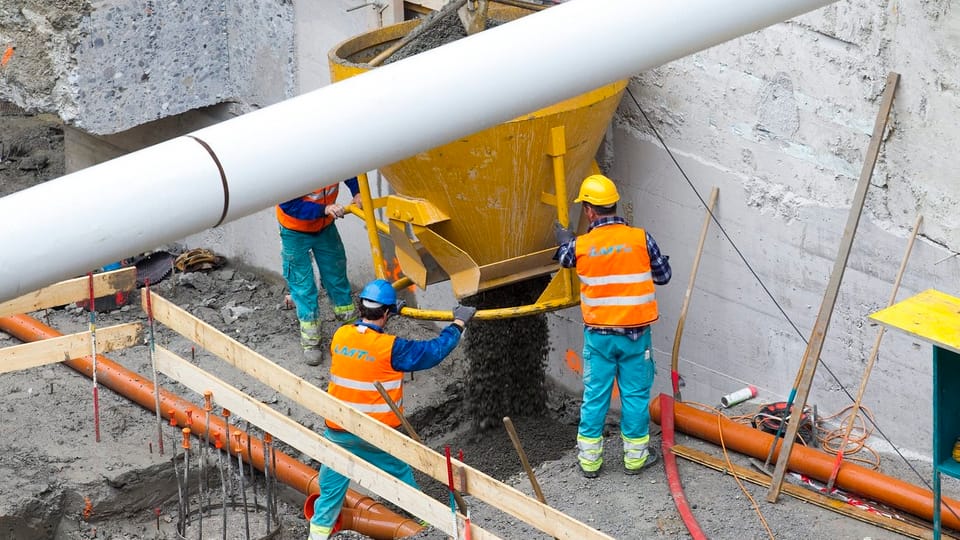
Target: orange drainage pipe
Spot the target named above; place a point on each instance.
(811, 462)
(138, 389)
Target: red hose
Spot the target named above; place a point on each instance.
(673, 474)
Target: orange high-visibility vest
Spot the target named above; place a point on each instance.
(325, 196)
(616, 286)
(361, 357)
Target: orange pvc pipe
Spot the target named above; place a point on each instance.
(140, 390)
(811, 462)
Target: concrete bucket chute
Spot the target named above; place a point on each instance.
(480, 211)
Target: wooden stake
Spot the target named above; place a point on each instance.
(674, 372)
(873, 356)
(808, 366)
(396, 410)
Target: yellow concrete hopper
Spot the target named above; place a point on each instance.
(483, 207)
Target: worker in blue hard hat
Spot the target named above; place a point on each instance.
(362, 354)
(308, 235)
(618, 266)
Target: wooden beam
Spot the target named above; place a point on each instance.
(58, 349)
(806, 495)
(811, 356)
(72, 290)
(313, 444)
(480, 485)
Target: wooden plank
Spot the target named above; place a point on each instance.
(72, 290)
(313, 444)
(811, 356)
(480, 485)
(58, 349)
(806, 495)
(932, 316)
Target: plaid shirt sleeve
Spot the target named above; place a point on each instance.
(659, 264)
(567, 254)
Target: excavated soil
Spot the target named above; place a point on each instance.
(59, 483)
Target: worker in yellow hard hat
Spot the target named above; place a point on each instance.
(618, 267)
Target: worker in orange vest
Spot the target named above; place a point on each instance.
(618, 266)
(362, 354)
(307, 232)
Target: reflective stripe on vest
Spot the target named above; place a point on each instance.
(616, 285)
(325, 196)
(360, 357)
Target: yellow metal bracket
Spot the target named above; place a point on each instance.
(416, 211)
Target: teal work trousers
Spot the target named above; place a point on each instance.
(628, 361)
(327, 250)
(333, 485)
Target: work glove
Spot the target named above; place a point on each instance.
(464, 313)
(563, 234)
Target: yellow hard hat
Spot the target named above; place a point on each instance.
(598, 190)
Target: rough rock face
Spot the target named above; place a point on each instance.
(113, 66)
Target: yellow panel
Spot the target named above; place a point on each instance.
(931, 316)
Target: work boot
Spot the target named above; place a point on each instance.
(310, 341)
(652, 457)
(312, 356)
(589, 474)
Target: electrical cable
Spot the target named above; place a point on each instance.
(763, 286)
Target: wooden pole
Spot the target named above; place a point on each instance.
(808, 366)
(515, 439)
(675, 361)
(873, 357)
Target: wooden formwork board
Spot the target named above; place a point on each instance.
(67, 347)
(72, 290)
(418, 456)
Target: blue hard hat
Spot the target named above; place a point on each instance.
(380, 292)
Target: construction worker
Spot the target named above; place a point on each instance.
(306, 227)
(618, 266)
(363, 354)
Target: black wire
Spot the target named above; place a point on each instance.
(766, 290)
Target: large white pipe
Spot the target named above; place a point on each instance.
(81, 221)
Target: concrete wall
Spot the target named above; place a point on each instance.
(780, 121)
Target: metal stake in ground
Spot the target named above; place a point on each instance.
(226, 426)
(223, 482)
(186, 475)
(93, 356)
(453, 504)
(204, 481)
(243, 492)
(153, 364)
(253, 478)
(267, 438)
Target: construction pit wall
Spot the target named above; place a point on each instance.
(779, 121)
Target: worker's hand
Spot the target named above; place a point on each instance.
(334, 211)
(357, 201)
(563, 234)
(463, 313)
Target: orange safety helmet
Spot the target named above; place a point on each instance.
(598, 190)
